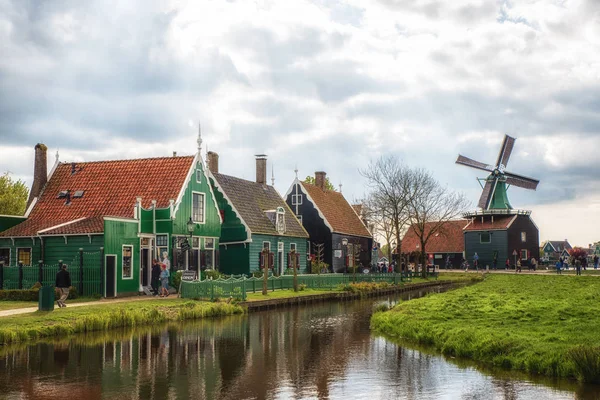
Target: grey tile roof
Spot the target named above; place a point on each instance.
(252, 199)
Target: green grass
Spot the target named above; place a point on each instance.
(68, 321)
(543, 324)
(284, 294)
(12, 305)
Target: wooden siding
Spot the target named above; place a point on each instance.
(485, 251)
(256, 247)
(234, 259)
(523, 223)
(339, 264)
(34, 244)
(55, 248)
(232, 229)
(117, 234)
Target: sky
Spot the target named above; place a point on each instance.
(316, 85)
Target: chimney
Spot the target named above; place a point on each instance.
(261, 169)
(320, 179)
(40, 172)
(213, 162)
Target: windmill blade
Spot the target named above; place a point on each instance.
(487, 194)
(521, 181)
(462, 160)
(505, 150)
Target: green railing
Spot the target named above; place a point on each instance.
(237, 288)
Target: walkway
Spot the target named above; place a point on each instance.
(27, 310)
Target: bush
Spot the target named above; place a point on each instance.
(177, 279)
(19, 295)
(301, 287)
(364, 287)
(211, 274)
(318, 267)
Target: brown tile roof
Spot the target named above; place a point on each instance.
(500, 222)
(338, 212)
(449, 239)
(252, 199)
(110, 189)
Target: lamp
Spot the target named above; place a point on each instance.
(190, 226)
(345, 242)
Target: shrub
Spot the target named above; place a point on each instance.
(19, 295)
(211, 274)
(301, 287)
(177, 279)
(318, 267)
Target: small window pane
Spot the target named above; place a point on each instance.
(198, 207)
(292, 246)
(523, 254)
(162, 240)
(24, 256)
(486, 237)
(127, 255)
(5, 256)
(523, 237)
(198, 176)
(196, 243)
(267, 245)
(209, 243)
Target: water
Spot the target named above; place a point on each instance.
(321, 351)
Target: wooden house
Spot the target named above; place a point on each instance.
(502, 234)
(552, 250)
(125, 211)
(255, 217)
(331, 221)
(446, 244)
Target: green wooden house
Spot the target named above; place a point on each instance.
(255, 217)
(121, 214)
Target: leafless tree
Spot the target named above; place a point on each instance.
(430, 207)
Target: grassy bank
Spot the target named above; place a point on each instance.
(539, 324)
(103, 317)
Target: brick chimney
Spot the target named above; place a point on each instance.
(261, 169)
(213, 162)
(40, 172)
(320, 179)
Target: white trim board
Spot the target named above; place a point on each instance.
(121, 219)
(61, 225)
(327, 224)
(228, 200)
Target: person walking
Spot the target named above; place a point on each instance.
(533, 263)
(596, 259)
(476, 261)
(558, 267)
(495, 263)
(578, 266)
(155, 279)
(166, 261)
(63, 283)
(164, 280)
(584, 263)
(507, 264)
(518, 269)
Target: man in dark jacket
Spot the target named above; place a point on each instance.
(63, 283)
(155, 280)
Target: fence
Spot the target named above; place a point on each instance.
(239, 287)
(86, 270)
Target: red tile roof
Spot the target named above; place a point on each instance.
(449, 239)
(338, 212)
(110, 189)
(499, 222)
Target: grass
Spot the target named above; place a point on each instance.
(68, 321)
(542, 324)
(12, 305)
(284, 294)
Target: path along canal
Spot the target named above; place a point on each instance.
(319, 351)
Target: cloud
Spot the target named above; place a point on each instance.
(323, 84)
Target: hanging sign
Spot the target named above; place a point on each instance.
(188, 276)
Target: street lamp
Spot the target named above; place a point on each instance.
(190, 227)
(345, 253)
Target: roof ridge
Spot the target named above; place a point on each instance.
(125, 160)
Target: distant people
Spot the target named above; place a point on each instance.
(448, 263)
(155, 279)
(391, 267)
(596, 259)
(464, 264)
(507, 264)
(495, 263)
(533, 263)
(166, 261)
(476, 261)
(558, 267)
(164, 280)
(584, 263)
(518, 269)
(63, 283)
(578, 266)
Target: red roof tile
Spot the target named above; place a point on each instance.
(449, 239)
(110, 189)
(338, 212)
(499, 222)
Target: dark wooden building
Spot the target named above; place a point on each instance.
(502, 234)
(330, 220)
(446, 244)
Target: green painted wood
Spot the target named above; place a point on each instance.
(256, 247)
(117, 234)
(56, 249)
(232, 229)
(234, 259)
(485, 251)
(7, 222)
(33, 243)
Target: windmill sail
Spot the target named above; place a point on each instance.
(521, 181)
(486, 195)
(505, 151)
(473, 164)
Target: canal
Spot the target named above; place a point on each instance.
(322, 351)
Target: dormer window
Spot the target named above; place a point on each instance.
(199, 176)
(280, 220)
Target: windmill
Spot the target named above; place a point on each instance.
(494, 196)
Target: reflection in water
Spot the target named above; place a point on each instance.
(322, 352)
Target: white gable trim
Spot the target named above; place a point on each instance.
(61, 225)
(206, 172)
(327, 224)
(121, 219)
(191, 171)
(228, 200)
(513, 220)
(30, 208)
(359, 218)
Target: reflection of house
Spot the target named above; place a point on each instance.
(447, 242)
(330, 220)
(132, 210)
(554, 249)
(254, 217)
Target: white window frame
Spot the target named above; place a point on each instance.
(199, 246)
(481, 238)
(199, 174)
(132, 262)
(521, 255)
(30, 256)
(280, 257)
(280, 218)
(212, 247)
(523, 237)
(299, 217)
(161, 248)
(295, 247)
(295, 198)
(268, 247)
(203, 207)
(9, 254)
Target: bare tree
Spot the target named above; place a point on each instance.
(430, 207)
(381, 220)
(390, 182)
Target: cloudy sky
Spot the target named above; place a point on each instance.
(324, 85)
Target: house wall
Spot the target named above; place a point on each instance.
(232, 229)
(55, 248)
(234, 258)
(117, 234)
(338, 264)
(256, 246)
(33, 243)
(523, 223)
(485, 251)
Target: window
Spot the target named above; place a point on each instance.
(267, 245)
(162, 245)
(292, 246)
(199, 176)
(24, 256)
(5, 256)
(280, 222)
(299, 218)
(297, 199)
(485, 237)
(127, 262)
(196, 242)
(523, 254)
(209, 243)
(198, 207)
(523, 237)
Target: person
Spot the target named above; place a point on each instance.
(518, 269)
(164, 280)
(391, 267)
(584, 263)
(63, 283)
(495, 263)
(476, 261)
(507, 264)
(533, 263)
(558, 267)
(155, 282)
(578, 266)
(166, 261)
(464, 264)
(448, 264)
(596, 259)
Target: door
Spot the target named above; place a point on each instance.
(145, 270)
(110, 289)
